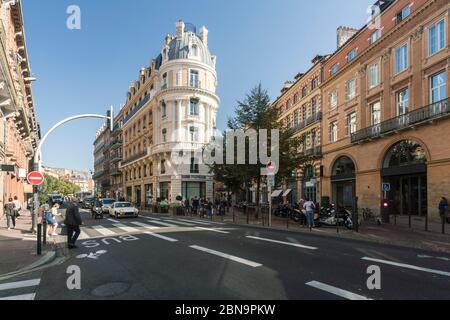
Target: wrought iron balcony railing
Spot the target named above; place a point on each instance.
(414, 118)
(134, 158)
(303, 124)
(313, 152)
(137, 108)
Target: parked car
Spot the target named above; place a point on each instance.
(55, 198)
(87, 203)
(123, 209)
(106, 204)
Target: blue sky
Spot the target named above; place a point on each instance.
(87, 70)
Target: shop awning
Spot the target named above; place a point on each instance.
(276, 193)
(286, 193)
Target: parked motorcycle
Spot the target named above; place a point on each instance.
(333, 217)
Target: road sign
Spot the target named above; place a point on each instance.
(386, 187)
(271, 180)
(8, 168)
(35, 178)
(271, 167)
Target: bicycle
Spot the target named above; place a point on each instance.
(369, 216)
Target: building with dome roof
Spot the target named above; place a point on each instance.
(168, 117)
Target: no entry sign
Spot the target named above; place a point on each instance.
(35, 178)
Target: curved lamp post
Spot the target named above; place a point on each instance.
(37, 154)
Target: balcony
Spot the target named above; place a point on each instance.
(137, 108)
(410, 120)
(98, 174)
(115, 143)
(117, 156)
(314, 152)
(115, 172)
(313, 119)
(134, 158)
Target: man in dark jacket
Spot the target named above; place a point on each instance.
(73, 222)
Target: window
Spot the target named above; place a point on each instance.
(304, 114)
(401, 58)
(289, 121)
(402, 15)
(164, 81)
(304, 92)
(375, 36)
(333, 129)
(351, 123)
(163, 166)
(375, 110)
(314, 83)
(194, 50)
(351, 55)
(194, 168)
(295, 98)
(193, 110)
(313, 106)
(350, 89)
(150, 167)
(163, 110)
(438, 87)
(436, 37)
(193, 79)
(295, 118)
(374, 75)
(193, 134)
(334, 69)
(402, 101)
(333, 99)
(164, 135)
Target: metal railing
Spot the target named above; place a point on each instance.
(134, 158)
(303, 124)
(416, 117)
(137, 108)
(314, 151)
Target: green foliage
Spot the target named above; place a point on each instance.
(54, 185)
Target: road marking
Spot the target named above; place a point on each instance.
(164, 224)
(102, 230)
(408, 266)
(210, 229)
(20, 284)
(161, 237)
(83, 235)
(112, 220)
(151, 218)
(179, 222)
(125, 228)
(196, 221)
(336, 291)
(21, 297)
(147, 226)
(283, 242)
(228, 256)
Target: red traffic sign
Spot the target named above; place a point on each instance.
(271, 167)
(35, 178)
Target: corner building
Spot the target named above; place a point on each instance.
(386, 111)
(170, 110)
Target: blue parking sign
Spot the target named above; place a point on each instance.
(386, 186)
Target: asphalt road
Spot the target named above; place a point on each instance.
(158, 257)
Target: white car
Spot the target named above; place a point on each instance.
(106, 204)
(123, 209)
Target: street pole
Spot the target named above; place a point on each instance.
(270, 206)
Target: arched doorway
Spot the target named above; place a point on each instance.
(343, 182)
(405, 169)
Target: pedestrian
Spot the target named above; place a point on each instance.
(50, 219)
(443, 205)
(309, 207)
(54, 214)
(73, 222)
(17, 205)
(10, 211)
(195, 204)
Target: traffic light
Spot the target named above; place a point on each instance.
(385, 204)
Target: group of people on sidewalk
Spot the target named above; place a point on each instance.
(204, 207)
(12, 211)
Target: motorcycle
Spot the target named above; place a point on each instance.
(283, 211)
(331, 217)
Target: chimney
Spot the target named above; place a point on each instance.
(344, 34)
(168, 38)
(204, 35)
(180, 28)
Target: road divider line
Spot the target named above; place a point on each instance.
(102, 230)
(408, 266)
(161, 237)
(228, 256)
(211, 229)
(283, 242)
(144, 225)
(336, 291)
(125, 228)
(29, 296)
(20, 284)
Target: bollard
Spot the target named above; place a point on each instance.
(39, 239)
(44, 232)
(443, 223)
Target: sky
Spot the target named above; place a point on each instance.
(88, 70)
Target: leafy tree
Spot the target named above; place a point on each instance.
(55, 185)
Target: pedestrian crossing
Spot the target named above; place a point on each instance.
(115, 227)
(19, 290)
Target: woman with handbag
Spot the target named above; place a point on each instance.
(10, 211)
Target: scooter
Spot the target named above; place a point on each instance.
(332, 217)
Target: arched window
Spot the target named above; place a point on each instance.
(344, 166)
(404, 153)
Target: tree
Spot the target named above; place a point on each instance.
(255, 112)
(55, 185)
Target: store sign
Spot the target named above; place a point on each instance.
(22, 173)
(8, 168)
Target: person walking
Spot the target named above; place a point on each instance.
(309, 207)
(73, 222)
(54, 213)
(10, 211)
(18, 206)
(443, 205)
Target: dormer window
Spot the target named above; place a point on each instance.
(375, 36)
(334, 69)
(402, 15)
(194, 50)
(351, 55)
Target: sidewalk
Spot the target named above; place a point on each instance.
(18, 248)
(399, 235)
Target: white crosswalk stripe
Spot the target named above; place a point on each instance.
(29, 296)
(103, 231)
(83, 235)
(29, 284)
(211, 229)
(179, 222)
(161, 237)
(164, 224)
(196, 221)
(144, 225)
(125, 228)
